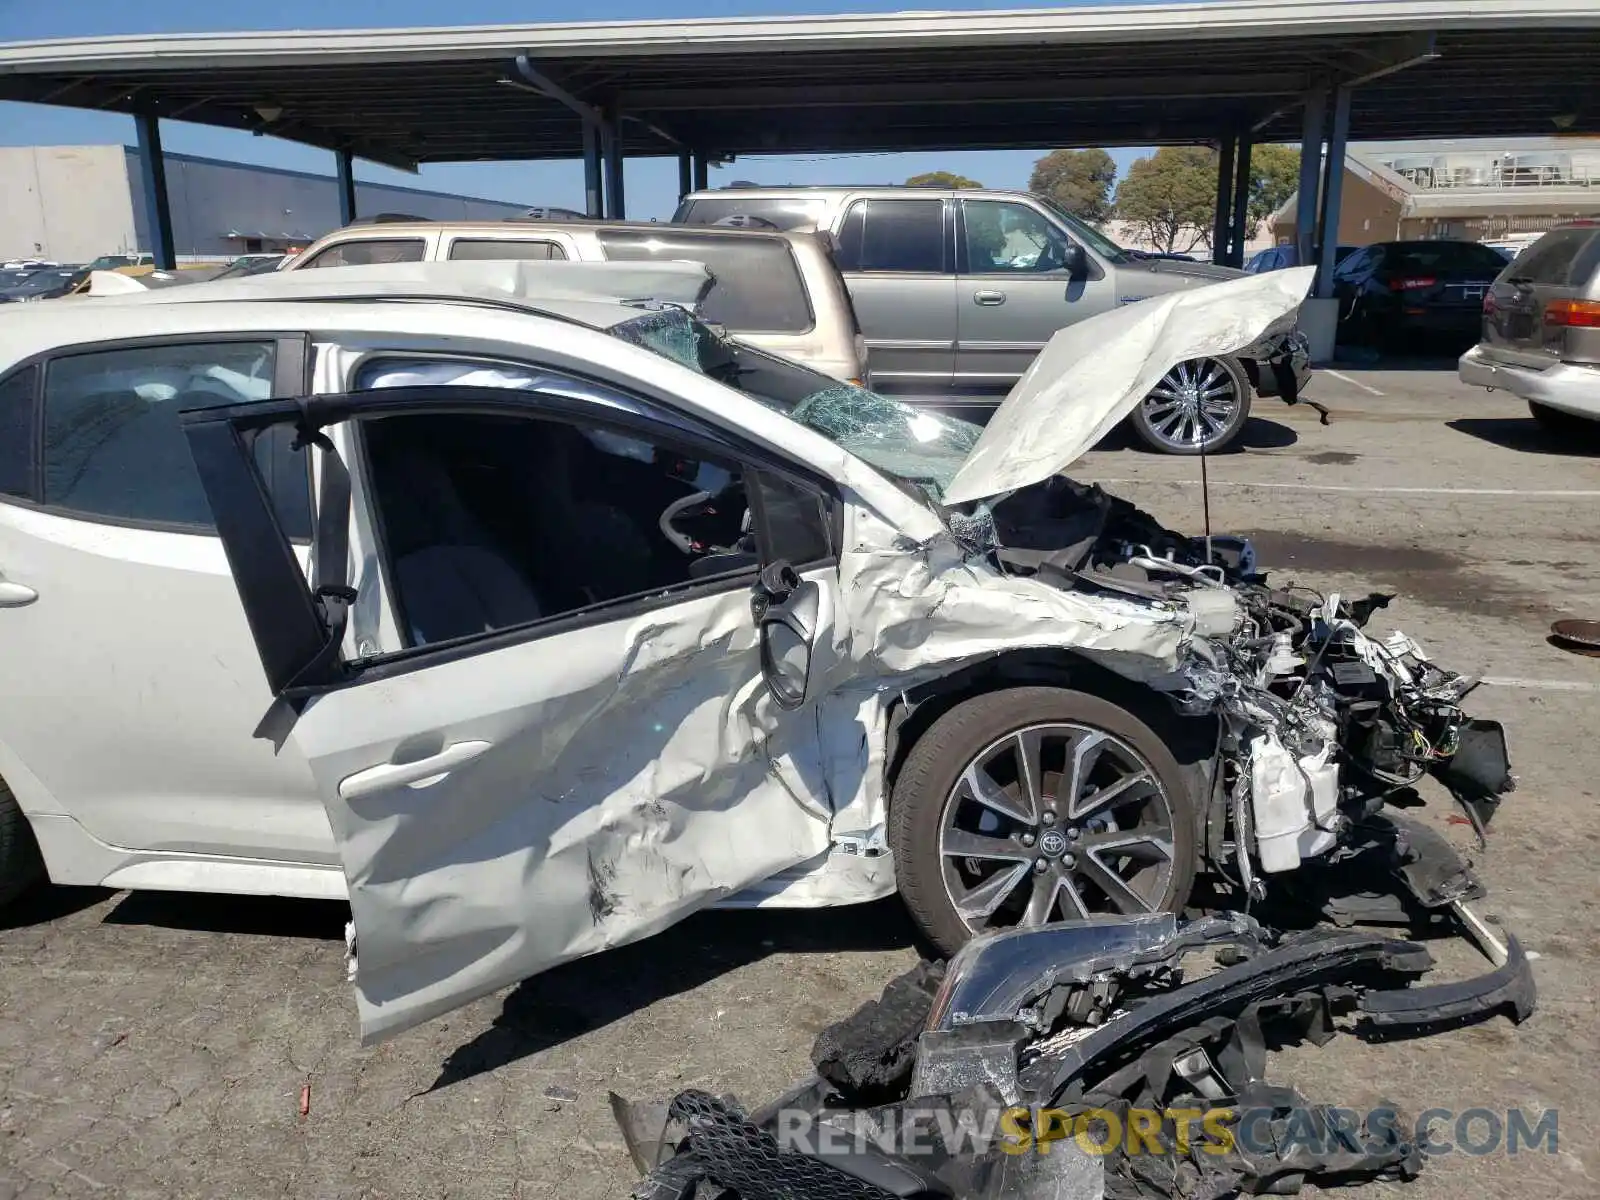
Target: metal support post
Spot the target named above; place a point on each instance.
(593, 196)
(611, 145)
(1220, 216)
(1241, 204)
(1333, 192)
(685, 174)
(345, 164)
(157, 211)
(1305, 209)
(700, 171)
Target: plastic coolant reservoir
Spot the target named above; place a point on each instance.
(1278, 802)
(1294, 801)
(1215, 611)
(1322, 776)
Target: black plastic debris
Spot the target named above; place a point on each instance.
(1078, 1062)
(870, 1054)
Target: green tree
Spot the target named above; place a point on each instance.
(1079, 181)
(1274, 177)
(1170, 197)
(942, 179)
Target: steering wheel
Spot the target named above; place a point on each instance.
(694, 504)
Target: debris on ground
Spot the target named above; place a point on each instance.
(1090, 1060)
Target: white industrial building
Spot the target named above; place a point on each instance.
(74, 203)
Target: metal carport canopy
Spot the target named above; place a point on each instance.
(1088, 75)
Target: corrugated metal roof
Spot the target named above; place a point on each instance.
(1124, 74)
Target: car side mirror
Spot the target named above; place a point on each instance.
(1075, 261)
(785, 608)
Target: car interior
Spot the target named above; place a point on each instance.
(490, 521)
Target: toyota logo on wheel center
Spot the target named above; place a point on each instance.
(1052, 843)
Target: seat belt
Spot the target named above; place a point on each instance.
(331, 559)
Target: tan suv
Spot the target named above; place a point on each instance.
(777, 290)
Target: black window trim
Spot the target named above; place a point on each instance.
(291, 376)
(320, 411)
(35, 432)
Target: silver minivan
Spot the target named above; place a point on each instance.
(957, 292)
(1541, 329)
(777, 290)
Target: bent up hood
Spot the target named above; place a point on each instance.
(1091, 375)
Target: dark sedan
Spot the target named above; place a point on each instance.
(44, 284)
(1397, 295)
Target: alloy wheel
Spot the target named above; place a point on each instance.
(1055, 822)
(1194, 405)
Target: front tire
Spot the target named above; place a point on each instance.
(1199, 407)
(20, 864)
(1038, 804)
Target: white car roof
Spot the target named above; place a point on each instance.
(355, 298)
(542, 286)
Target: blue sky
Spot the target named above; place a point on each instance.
(652, 184)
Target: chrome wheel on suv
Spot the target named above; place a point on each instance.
(1198, 407)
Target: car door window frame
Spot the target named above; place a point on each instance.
(291, 376)
(282, 594)
(964, 263)
(631, 392)
(1093, 270)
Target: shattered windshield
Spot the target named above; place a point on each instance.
(919, 449)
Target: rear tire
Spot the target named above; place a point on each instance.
(1553, 420)
(20, 863)
(927, 787)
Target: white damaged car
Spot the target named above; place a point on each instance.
(534, 621)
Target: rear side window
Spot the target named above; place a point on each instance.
(1449, 258)
(893, 235)
(781, 212)
(16, 432)
(1564, 258)
(758, 287)
(365, 253)
(1356, 264)
(501, 249)
(113, 446)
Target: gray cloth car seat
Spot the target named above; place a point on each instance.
(452, 579)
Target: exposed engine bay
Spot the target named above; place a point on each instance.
(1322, 722)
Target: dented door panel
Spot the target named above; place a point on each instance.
(634, 771)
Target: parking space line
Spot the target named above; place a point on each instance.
(1367, 388)
(1547, 493)
(1546, 685)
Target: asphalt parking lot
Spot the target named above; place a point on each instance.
(166, 1045)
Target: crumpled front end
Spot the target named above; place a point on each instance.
(1321, 722)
